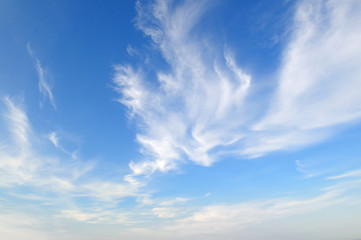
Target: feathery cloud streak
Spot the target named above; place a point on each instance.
(201, 107)
(44, 86)
(319, 78)
(23, 164)
(195, 107)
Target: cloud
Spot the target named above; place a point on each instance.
(164, 212)
(180, 220)
(23, 164)
(198, 108)
(14, 167)
(44, 86)
(201, 106)
(311, 168)
(224, 218)
(192, 109)
(353, 173)
(18, 163)
(318, 79)
(103, 217)
(14, 225)
(172, 202)
(53, 138)
(18, 123)
(107, 190)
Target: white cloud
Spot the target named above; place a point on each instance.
(311, 168)
(44, 86)
(164, 212)
(200, 107)
(353, 173)
(223, 218)
(192, 109)
(18, 123)
(107, 190)
(170, 208)
(172, 202)
(163, 208)
(319, 77)
(100, 216)
(198, 110)
(16, 225)
(53, 138)
(14, 165)
(131, 51)
(236, 219)
(22, 164)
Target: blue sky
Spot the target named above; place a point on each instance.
(180, 119)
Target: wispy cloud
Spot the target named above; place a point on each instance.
(55, 185)
(22, 164)
(350, 174)
(311, 168)
(14, 167)
(15, 225)
(103, 217)
(170, 209)
(201, 107)
(44, 86)
(318, 79)
(222, 218)
(107, 190)
(180, 220)
(163, 208)
(192, 109)
(53, 138)
(18, 123)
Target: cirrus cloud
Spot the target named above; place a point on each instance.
(200, 107)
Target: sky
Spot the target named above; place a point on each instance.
(180, 119)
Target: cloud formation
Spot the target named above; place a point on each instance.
(318, 80)
(350, 174)
(236, 217)
(23, 164)
(193, 108)
(200, 106)
(44, 86)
